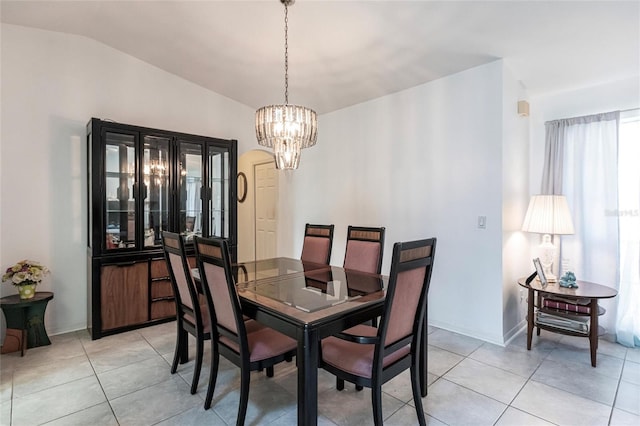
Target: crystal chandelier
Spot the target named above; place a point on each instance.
(286, 128)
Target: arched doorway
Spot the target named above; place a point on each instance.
(257, 213)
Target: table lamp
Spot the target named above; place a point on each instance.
(548, 215)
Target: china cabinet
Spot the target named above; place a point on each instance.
(143, 181)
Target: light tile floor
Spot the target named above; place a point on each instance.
(125, 380)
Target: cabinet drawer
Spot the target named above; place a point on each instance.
(163, 309)
(159, 269)
(161, 289)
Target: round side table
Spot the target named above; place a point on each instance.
(27, 315)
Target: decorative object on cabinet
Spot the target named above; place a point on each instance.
(25, 275)
(141, 182)
(548, 215)
(286, 128)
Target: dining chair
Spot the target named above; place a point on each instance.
(365, 247)
(370, 356)
(248, 345)
(191, 312)
(317, 243)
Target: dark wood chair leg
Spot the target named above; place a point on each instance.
(359, 387)
(198, 367)
(213, 376)
(177, 355)
(376, 400)
(184, 346)
(270, 371)
(339, 384)
(417, 397)
(245, 380)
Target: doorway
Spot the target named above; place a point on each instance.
(266, 200)
(258, 212)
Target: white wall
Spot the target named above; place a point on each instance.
(52, 84)
(516, 261)
(425, 162)
(613, 96)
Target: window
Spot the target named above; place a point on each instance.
(628, 213)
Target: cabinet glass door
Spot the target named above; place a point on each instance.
(218, 168)
(155, 192)
(189, 189)
(120, 210)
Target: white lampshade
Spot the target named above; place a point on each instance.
(548, 214)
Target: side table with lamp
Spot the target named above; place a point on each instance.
(539, 291)
(564, 306)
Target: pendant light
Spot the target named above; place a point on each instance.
(286, 128)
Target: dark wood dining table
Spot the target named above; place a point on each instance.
(309, 302)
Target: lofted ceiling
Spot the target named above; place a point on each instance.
(345, 52)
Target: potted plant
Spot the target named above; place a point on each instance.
(25, 275)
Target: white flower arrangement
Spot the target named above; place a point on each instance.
(25, 272)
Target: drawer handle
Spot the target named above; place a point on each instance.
(121, 264)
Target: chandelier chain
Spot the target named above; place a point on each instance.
(286, 54)
(286, 128)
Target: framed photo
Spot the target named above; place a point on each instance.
(540, 272)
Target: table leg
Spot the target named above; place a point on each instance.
(593, 331)
(36, 333)
(23, 342)
(530, 318)
(308, 348)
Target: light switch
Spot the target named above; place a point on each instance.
(482, 222)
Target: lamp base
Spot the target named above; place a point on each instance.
(547, 255)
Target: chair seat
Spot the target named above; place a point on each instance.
(252, 325)
(356, 358)
(264, 342)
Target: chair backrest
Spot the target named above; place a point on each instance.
(317, 243)
(181, 281)
(213, 258)
(406, 299)
(364, 250)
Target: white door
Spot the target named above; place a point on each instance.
(266, 182)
